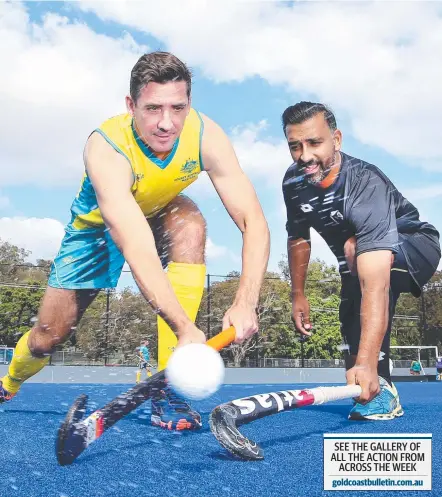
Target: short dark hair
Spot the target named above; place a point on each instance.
(300, 112)
(158, 67)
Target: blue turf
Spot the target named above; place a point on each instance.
(135, 459)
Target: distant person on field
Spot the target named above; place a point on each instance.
(439, 368)
(415, 368)
(144, 355)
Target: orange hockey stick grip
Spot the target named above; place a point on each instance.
(223, 339)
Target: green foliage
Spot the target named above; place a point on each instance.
(11, 259)
(130, 319)
(326, 338)
(432, 332)
(20, 292)
(18, 311)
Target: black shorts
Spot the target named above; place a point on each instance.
(144, 365)
(401, 281)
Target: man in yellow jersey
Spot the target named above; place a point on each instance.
(129, 208)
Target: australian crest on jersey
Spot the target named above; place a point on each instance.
(189, 171)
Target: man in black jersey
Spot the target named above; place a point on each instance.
(382, 247)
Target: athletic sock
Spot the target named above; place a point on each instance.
(187, 281)
(384, 366)
(23, 365)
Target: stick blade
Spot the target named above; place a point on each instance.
(72, 435)
(222, 422)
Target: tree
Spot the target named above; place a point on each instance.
(132, 320)
(270, 311)
(20, 293)
(222, 294)
(326, 337)
(319, 272)
(432, 303)
(11, 258)
(407, 323)
(322, 290)
(91, 333)
(18, 311)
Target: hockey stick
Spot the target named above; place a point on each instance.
(225, 418)
(76, 434)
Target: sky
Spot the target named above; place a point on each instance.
(66, 67)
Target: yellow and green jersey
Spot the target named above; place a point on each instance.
(155, 182)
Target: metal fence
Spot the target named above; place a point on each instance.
(6, 354)
(108, 321)
(73, 358)
(280, 362)
(78, 358)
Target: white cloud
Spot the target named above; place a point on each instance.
(372, 61)
(41, 237)
(214, 251)
(423, 193)
(4, 201)
(78, 79)
(60, 80)
(201, 187)
(261, 158)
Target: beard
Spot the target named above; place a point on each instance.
(324, 168)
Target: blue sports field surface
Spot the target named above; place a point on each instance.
(136, 459)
